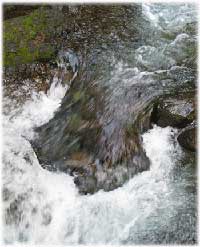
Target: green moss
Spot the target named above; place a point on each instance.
(192, 116)
(74, 122)
(131, 130)
(191, 50)
(78, 95)
(168, 35)
(25, 39)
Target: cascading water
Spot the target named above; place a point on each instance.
(156, 206)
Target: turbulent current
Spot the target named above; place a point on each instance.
(157, 206)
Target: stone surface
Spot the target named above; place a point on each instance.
(187, 138)
(176, 111)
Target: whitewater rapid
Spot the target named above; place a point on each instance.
(47, 208)
(43, 207)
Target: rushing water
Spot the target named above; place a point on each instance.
(156, 206)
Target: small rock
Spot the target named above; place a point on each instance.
(187, 138)
(176, 113)
(86, 184)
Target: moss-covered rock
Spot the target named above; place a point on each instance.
(26, 39)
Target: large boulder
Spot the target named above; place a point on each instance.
(96, 133)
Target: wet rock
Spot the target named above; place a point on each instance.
(20, 82)
(68, 63)
(93, 118)
(86, 184)
(83, 138)
(187, 138)
(173, 111)
(67, 58)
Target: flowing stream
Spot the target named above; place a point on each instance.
(154, 207)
